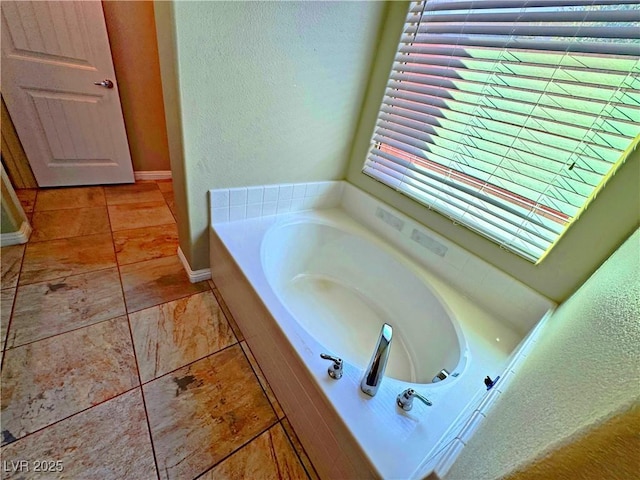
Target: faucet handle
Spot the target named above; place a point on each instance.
(405, 399)
(335, 370)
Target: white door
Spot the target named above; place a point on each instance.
(72, 130)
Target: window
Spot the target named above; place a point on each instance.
(509, 116)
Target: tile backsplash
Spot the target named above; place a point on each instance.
(232, 204)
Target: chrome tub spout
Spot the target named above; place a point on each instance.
(375, 371)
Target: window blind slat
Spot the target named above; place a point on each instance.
(607, 74)
(515, 113)
(418, 7)
(559, 58)
(474, 92)
(483, 169)
(570, 140)
(540, 14)
(458, 205)
(559, 44)
(523, 29)
(459, 193)
(506, 116)
(502, 118)
(520, 158)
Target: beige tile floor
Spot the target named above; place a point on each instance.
(114, 365)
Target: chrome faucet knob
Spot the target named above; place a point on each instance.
(335, 370)
(405, 399)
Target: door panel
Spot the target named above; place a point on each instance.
(72, 130)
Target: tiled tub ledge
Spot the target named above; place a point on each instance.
(347, 433)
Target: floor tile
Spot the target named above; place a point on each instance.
(171, 202)
(54, 224)
(78, 301)
(133, 193)
(67, 198)
(203, 412)
(263, 381)
(297, 446)
(27, 197)
(139, 215)
(6, 304)
(171, 335)
(67, 256)
(226, 311)
(142, 244)
(11, 259)
(156, 281)
(49, 380)
(165, 185)
(108, 441)
(268, 457)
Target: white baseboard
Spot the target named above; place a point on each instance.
(194, 275)
(16, 238)
(153, 175)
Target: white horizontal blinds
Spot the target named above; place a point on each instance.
(507, 115)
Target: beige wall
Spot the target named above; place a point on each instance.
(582, 373)
(603, 227)
(165, 26)
(269, 93)
(132, 35)
(607, 452)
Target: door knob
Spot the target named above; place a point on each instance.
(106, 83)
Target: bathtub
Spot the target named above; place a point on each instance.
(317, 280)
(341, 287)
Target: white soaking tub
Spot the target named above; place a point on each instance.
(302, 283)
(341, 288)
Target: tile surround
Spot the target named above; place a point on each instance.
(232, 204)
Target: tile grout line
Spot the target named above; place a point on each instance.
(264, 390)
(212, 285)
(293, 447)
(61, 333)
(68, 275)
(236, 450)
(191, 363)
(70, 416)
(133, 347)
(71, 236)
(258, 379)
(15, 297)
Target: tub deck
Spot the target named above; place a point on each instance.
(346, 432)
